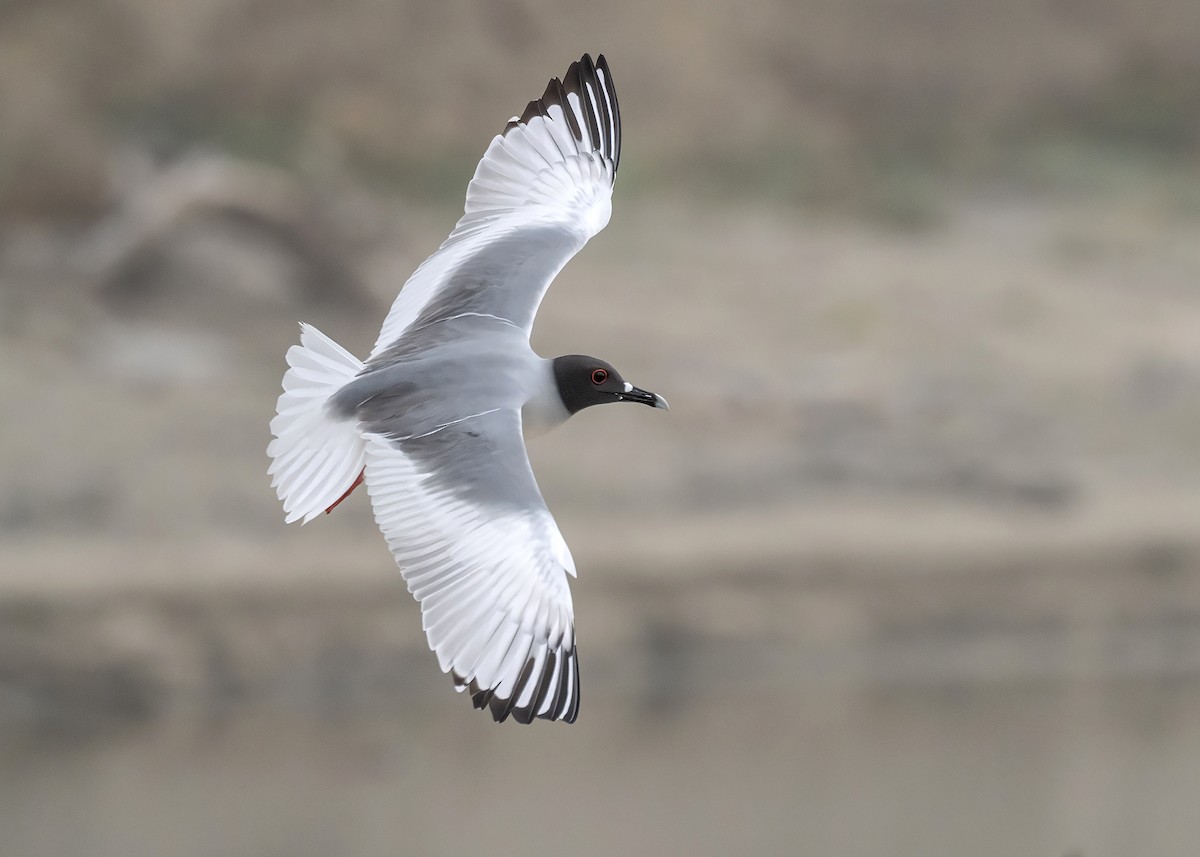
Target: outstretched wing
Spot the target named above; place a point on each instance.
(479, 550)
(543, 188)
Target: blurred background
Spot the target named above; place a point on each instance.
(912, 567)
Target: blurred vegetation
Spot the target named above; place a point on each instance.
(1150, 104)
(867, 108)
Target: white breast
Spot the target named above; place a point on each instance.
(544, 409)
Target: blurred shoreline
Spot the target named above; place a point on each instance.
(193, 629)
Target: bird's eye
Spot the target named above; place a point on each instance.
(599, 376)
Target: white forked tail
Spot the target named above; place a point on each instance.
(316, 457)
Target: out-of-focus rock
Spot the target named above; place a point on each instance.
(201, 210)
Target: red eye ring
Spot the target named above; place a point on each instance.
(599, 376)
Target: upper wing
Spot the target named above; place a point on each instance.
(480, 551)
(543, 188)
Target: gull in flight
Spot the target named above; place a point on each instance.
(434, 421)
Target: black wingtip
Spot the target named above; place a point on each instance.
(565, 704)
(604, 126)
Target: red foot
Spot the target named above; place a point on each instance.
(349, 490)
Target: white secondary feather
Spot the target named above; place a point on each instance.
(315, 457)
(491, 581)
(553, 166)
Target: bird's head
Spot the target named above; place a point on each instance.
(585, 381)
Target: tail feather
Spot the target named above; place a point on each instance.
(315, 456)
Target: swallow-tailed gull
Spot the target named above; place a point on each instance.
(434, 421)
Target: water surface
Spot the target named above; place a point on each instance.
(1039, 768)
